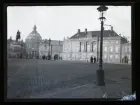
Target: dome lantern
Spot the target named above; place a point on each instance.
(34, 28)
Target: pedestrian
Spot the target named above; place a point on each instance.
(122, 60)
(126, 59)
(91, 59)
(94, 59)
(54, 57)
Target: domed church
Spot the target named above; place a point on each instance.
(32, 44)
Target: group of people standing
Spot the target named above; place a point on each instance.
(46, 57)
(91, 59)
(125, 60)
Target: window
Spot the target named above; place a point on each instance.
(117, 49)
(117, 42)
(95, 47)
(111, 49)
(125, 48)
(105, 49)
(128, 56)
(111, 57)
(91, 46)
(116, 57)
(129, 49)
(105, 56)
(88, 47)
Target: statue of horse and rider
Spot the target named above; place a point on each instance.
(18, 35)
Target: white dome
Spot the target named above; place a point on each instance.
(34, 35)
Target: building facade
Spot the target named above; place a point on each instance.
(15, 49)
(83, 45)
(36, 47)
(54, 48)
(126, 51)
(33, 41)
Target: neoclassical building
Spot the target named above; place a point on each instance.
(33, 41)
(15, 49)
(83, 45)
(55, 48)
(36, 47)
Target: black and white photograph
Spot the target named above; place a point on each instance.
(69, 52)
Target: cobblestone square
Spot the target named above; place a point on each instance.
(28, 78)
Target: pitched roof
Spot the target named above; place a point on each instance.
(107, 33)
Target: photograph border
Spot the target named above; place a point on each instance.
(4, 41)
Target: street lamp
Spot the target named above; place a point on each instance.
(100, 72)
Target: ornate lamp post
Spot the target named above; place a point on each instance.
(100, 72)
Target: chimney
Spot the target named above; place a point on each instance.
(86, 30)
(111, 28)
(78, 31)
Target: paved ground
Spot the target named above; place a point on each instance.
(69, 79)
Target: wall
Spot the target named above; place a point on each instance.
(111, 49)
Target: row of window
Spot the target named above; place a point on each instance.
(127, 49)
(108, 42)
(92, 48)
(111, 56)
(111, 49)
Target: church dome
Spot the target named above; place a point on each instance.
(34, 35)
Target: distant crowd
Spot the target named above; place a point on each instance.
(50, 58)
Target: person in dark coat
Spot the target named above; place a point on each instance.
(94, 59)
(91, 59)
(54, 57)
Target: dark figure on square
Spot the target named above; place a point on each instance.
(122, 60)
(94, 59)
(20, 56)
(91, 59)
(126, 59)
(54, 57)
(43, 57)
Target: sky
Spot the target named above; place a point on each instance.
(57, 22)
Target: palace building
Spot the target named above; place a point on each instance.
(83, 45)
(33, 41)
(36, 47)
(15, 49)
(54, 48)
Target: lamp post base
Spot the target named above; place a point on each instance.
(100, 78)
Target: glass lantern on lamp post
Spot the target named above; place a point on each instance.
(100, 72)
